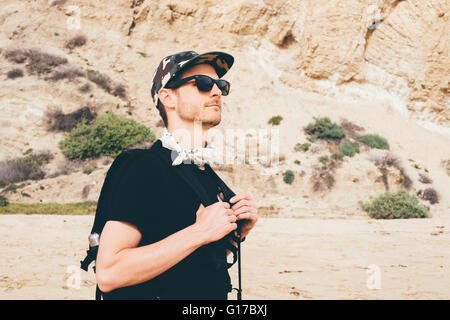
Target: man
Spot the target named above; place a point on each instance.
(160, 241)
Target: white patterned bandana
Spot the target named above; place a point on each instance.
(199, 156)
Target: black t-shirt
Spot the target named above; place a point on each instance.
(207, 181)
(159, 203)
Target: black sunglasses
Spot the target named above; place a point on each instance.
(203, 83)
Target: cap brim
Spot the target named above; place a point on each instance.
(220, 61)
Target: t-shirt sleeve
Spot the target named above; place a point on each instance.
(134, 194)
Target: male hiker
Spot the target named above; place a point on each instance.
(159, 240)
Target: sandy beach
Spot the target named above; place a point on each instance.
(284, 258)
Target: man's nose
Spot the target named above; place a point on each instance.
(215, 91)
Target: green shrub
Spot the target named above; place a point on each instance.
(13, 187)
(288, 176)
(374, 141)
(3, 201)
(398, 205)
(323, 128)
(348, 149)
(107, 135)
(88, 170)
(298, 162)
(323, 159)
(337, 156)
(28, 151)
(275, 120)
(302, 147)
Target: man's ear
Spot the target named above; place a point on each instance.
(167, 98)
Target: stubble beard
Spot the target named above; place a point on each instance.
(209, 118)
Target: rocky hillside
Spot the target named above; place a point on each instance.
(377, 67)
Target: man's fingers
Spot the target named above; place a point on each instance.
(238, 197)
(226, 205)
(233, 226)
(245, 209)
(247, 216)
(230, 212)
(240, 204)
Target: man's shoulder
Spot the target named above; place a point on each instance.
(141, 154)
(138, 157)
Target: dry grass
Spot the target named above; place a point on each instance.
(429, 195)
(56, 120)
(28, 167)
(322, 175)
(68, 73)
(77, 41)
(423, 178)
(67, 167)
(351, 129)
(14, 73)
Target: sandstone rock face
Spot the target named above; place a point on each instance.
(344, 42)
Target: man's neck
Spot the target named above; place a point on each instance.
(189, 136)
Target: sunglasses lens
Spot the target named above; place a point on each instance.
(224, 86)
(205, 83)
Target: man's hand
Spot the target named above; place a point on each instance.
(215, 221)
(245, 209)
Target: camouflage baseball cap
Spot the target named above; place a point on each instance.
(174, 64)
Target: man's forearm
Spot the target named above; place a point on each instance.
(136, 265)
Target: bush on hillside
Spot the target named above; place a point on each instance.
(275, 120)
(302, 147)
(76, 41)
(374, 141)
(56, 120)
(24, 168)
(107, 135)
(351, 129)
(322, 175)
(14, 73)
(398, 205)
(68, 73)
(288, 176)
(423, 178)
(348, 149)
(3, 201)
(103, 81)
(429, 195)
(42, 62)
(323, 128)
